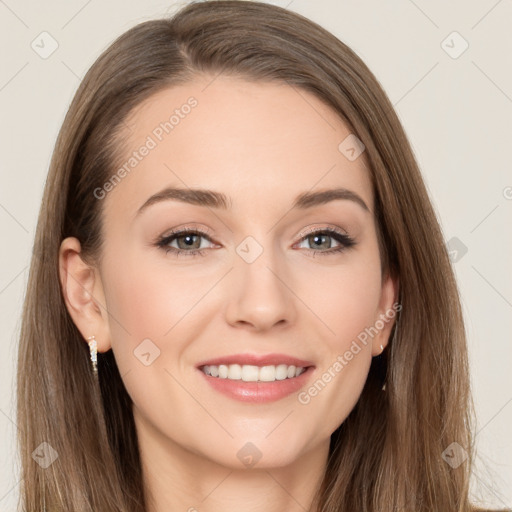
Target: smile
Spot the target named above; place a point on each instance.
(251, 373)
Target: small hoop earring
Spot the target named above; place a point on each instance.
(93, 348)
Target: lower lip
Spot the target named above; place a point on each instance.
(258, 392)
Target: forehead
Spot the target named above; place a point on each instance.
(254, 140)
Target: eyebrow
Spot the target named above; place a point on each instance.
(212, 199)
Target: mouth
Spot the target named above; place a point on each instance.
(252, 378)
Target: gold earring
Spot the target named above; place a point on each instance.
(382, 348)
(93, 348)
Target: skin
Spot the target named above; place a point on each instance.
(262, 145)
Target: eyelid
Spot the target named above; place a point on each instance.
(323, 227)
(189, 227)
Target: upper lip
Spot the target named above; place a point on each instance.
(256, 360)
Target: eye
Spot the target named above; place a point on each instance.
(322, 239)
(188, 242)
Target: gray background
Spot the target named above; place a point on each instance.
(456, 109)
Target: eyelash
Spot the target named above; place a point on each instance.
(163, 243)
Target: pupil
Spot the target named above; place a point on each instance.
(319, 239)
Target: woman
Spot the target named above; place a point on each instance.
(240, 295)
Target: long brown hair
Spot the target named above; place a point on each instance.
(388, 454)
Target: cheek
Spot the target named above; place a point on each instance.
(357, 303)
(152, 316)
(149, 299)
(345, 298)
(348, 307)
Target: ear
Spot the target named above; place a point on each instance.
(83, 294)
(386, 313)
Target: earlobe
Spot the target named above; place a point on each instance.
(83, 294)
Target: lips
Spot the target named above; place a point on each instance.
(256, 360)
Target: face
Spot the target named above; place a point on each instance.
(252, 273)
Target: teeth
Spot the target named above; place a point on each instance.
(250, 373)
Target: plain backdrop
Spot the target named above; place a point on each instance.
(452, 92)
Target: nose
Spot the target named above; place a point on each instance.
(262, 295)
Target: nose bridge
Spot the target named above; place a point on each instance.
(259, 294)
